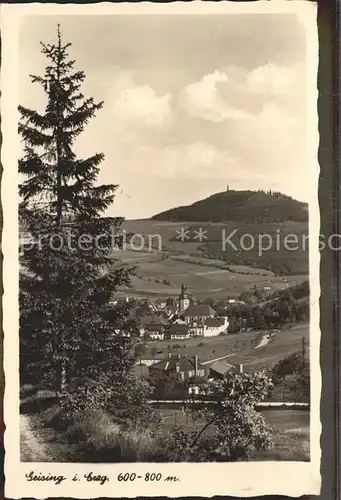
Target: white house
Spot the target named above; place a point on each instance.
(154, 332)
(196, 329)
(209, 327)
(156, 335)
(179, 332)
(215, 326)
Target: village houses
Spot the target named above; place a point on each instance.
(186, 319)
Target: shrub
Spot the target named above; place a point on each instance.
(123, 396)
(291, 379)
(53, 417)
(86, 426)
(288, 366)
(231, 430)
(100, 439)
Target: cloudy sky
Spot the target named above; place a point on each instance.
(191, 103)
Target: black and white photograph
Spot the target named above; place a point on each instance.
(163, 216)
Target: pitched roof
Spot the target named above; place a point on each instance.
(155, 327)
(156, 318)
(200, 310)
(221, 367)
(214, 322)
(176, 328)
(169, 364)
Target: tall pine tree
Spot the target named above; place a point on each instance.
(68, 272)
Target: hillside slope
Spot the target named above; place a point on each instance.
(240, 206)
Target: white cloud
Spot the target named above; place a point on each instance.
(203, 99)
(272, 79)
(141, 103)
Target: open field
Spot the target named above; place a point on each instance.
(240, 347)
(291, 434)
(282, 345)
(162, 276)
(284, 420)
(164, 262)
(278, 257)
(209, 347)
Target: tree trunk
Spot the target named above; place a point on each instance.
(62, 376)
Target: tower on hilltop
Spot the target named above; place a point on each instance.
(184, 300)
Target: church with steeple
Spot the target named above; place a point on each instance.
(184, 300)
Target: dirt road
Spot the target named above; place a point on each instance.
(31, 449)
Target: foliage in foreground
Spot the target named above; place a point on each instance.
(99, 439)
(230, 430)
(124, 397)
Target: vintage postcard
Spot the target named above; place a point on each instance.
(161, 249)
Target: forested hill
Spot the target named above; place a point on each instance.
(240, 206)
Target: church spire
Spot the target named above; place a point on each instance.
(183, 298)
(183, 293)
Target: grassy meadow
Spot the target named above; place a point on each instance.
(164, 262)
(239, 347)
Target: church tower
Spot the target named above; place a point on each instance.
(184, 301)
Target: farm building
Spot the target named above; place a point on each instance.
(220, 369)
(178, 332)
(155, 331)
(185, 366)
